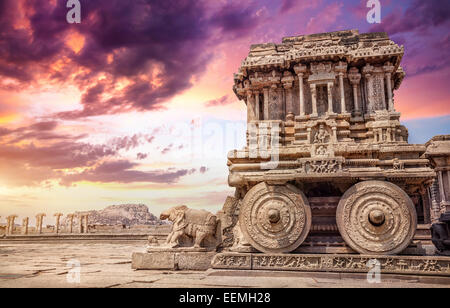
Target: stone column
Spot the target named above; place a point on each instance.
(80, 223)
(86, 223)
(39, 221)
(250, 107)
(389, 69)
(10, 225)
(367, 71)
(266, 103)
(341, 69)
(435, 208)
(441, 187)
(369, 88)
(341, 86)
(289, 103)
(389, 91)
(256, 105)
(313, 100)
(330, 98)
(300, 93)
(300, 70)
(70, 218)
(58, 217)
(355, 77)
(25, 222)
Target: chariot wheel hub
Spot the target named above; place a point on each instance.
(273, 215)
(376, 217)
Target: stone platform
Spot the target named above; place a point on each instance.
(169, 259)
(409, 265)
(108, 265)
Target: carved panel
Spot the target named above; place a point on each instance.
(424, 265)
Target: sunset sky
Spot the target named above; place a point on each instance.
(135, 103)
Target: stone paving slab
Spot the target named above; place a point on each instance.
(108, 265)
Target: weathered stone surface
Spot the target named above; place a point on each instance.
(438, 151)
(154, 260)
(438, 266)
(174, 259)
(376, 217)
(275, 218)
(191, 227)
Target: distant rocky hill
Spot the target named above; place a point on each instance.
(123, 214)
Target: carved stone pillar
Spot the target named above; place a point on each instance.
(434, 196)
(314, 100)
(300, 93)
(10, 225)
(25, 222)
(39, 221)
(441, 188)
(300, 71)
(266, 103)
(256, 105)
(330, 97)
(80, 223)
(367, 71)
(341, 69)
(250, 107)
(389, 92)
(57, 224)
(70, 218)
(289, 103)
(369, 79)
(86, 223)
(355, 77)
(341, 86)
(389, 69)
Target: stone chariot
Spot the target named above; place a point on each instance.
(327, 167)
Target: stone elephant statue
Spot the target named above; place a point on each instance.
(196, 224)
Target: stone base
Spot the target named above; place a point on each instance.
(411, 265)
(172, 260)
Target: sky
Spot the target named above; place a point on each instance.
(135, 103)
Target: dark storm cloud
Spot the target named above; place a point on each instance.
(419, 16)
(426, 50)
(60, 151)
(121, 172)
(158, 46)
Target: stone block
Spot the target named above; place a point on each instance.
(153, 260)
(172, 260)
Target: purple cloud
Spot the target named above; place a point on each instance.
(121, 172)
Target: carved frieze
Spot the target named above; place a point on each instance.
(424, 265)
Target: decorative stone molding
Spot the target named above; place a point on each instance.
(423, 265)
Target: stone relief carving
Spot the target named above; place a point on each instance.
(321, 136)
(193, 224)
(376, 217)
(341, 263)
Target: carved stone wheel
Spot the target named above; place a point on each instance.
(376, 217)
(275, 219)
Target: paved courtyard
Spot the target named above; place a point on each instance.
(103, 264)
